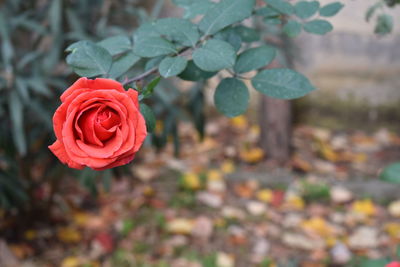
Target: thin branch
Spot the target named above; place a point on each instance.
(141, 76)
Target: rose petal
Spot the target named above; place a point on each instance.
(86, 121)
(58, 149)
(119, 162)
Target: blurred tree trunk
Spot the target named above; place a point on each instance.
(276, 128)
(275, 116)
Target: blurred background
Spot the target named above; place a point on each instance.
(287, 184)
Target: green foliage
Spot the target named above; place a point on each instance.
(122, 64)
(181, 31)
(281, 6)
(148, 116)
(305, 9)
(172, 66)
(194, 73)
(331, 9)
(292, 28)
(153, 47)
(391, 173)
(225, 13)
(318, 26)
(194, 7)
(282, 83)
(384, 24)
(89, 59)
(116, 44)
(231, 97)
(215, 55)
(254, 58)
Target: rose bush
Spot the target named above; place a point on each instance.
(98, 125)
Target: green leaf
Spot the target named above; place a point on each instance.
(391, 173)
(55, 16)
(117, 44)
(282, 6)
(331, 9)
(384, 24)
(247, 34)
(153, 62)
(194, 73)
(178, 30)
(318, 26)
(145, 31)
(17, 121)
(292, 28)
(122, 64)
(148, 116)
(224, 14)
(89, 59)
(194, 7)
(305, 9)
(153, 47)
(172, 66)
(371, 10)
(267, 12)
(148, 90)
(254, 58)
(215, 55)
(398, 251)
(230, 36)
(282, 83)
(231, 97)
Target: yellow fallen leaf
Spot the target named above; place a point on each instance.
(159, 127)
(227, 167)
(331, 241)
(69, 235)
(255, 130)
(148, 191)
(252, 155)
(294, 202)
(265, 195)
(180, 226)
(393, 229)
(214, 175)
(71, 262)
(317, 225)
(191, 181)
(365, 207)
(80, 218)
(327, 152)
(239, 122)
(30, 234)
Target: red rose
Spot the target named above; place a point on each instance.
(98, 125)
(393, 264)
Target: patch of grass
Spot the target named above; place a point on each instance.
(183, 200)
(315, 192)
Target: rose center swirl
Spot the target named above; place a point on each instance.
(97, 124)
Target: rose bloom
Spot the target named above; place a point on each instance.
(393, 264)
(98, 125)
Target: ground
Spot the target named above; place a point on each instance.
(220, 204)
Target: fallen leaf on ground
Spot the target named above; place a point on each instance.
(180, 226)
(69, 235)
